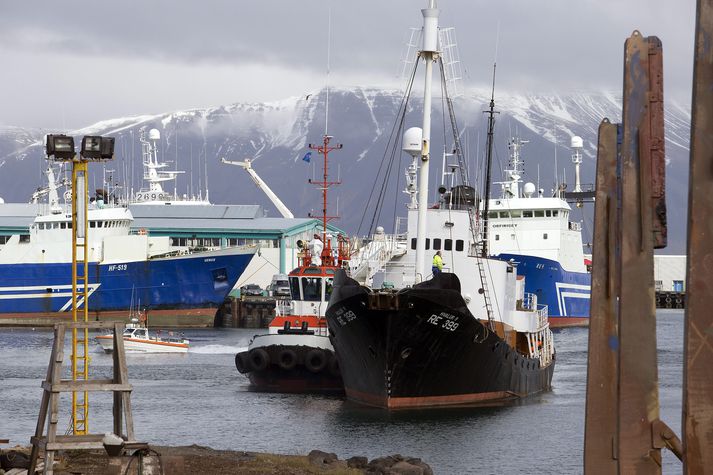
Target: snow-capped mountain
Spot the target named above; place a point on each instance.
(277, 135)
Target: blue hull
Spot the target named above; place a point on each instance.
(192, 281)
(565, 293)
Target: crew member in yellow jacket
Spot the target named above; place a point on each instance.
(437, 264)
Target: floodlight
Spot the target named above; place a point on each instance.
(95, 147)
(60, 146)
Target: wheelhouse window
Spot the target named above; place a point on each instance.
(548, 213)
(527, 214)
(295, 288)
(504, 214)
(436, 244)
(459, 245)
(516, 214)
(554, 213)
(448, 245)
(539, 213)
(493, 214)
(312, 289)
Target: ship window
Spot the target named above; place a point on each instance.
(516, 214)
(41, 225)
(504, 214)
(527, 214)
(539, 213)
(295, 288)
(548, 213)
(63, 225)
(69, 225)
(92, 224)
(24, 238)
(554, 213)
(497, 237)
(493, 214)
(312, 288)
(428, 244)
(459, 245)
(413, 243)
(544, 236)
(328, 285)
(448, 245)
(436, 244)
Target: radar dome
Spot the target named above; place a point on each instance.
(412, 141)
(154, 134)
(379, 230)
(577, 142)
(529, 189)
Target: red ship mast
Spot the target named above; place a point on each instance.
(328, 258)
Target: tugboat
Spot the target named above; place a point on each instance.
(296, 355)
(469, 334)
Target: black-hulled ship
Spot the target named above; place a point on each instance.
(469, 335)
(296, 355)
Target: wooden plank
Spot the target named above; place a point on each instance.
(697, 414)
(95, 325)
(120, 362)
(638, 373)
(600, 433)
(82, 385)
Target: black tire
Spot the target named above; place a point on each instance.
(334, 369)
(315, 360)
(259, 359)
(287, 359)
(242, 363)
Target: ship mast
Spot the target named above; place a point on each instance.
(429, 53)
(488, 163)
(325, 148)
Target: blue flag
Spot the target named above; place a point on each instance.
(307, 157)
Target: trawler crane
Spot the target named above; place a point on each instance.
(246, 164)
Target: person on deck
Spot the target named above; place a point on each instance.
(437, 267)
(315, 248)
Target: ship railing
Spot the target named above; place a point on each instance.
(283, 307)
(374, 255)
(543, 315)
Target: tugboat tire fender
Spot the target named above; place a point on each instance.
(287, 359)
(334, 366)
(315, 360)
(259, 359)
(242, 363)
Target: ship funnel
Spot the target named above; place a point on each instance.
(412, 141)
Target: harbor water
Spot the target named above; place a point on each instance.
(200, 398)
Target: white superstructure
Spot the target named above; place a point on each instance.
(527, 222)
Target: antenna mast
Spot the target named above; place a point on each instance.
(488, 163)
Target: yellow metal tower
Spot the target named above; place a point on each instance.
(80, 294)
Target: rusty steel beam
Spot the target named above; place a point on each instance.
(697, 417)
(638, 373)
(600, 429)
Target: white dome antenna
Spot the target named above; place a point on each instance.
(529, 189)
(154, 134)
(412, 141)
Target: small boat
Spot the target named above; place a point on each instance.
(137, 339)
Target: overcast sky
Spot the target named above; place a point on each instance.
(68, 64)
